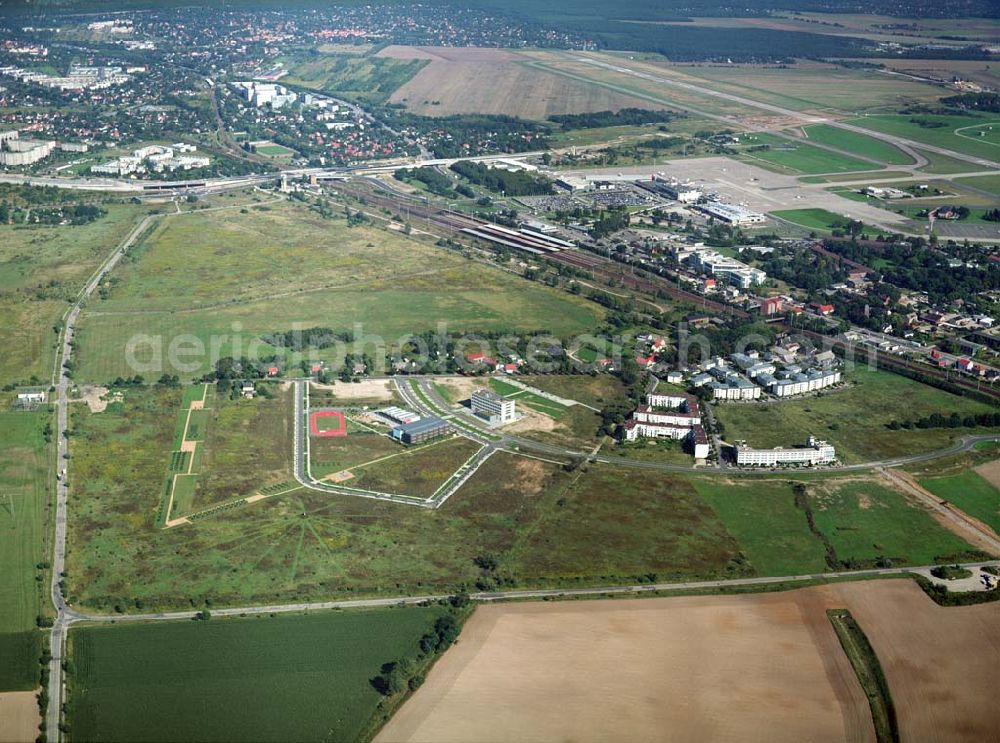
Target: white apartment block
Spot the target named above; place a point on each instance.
(493, 407)
(814, 452)
(669, 417)
(799, 384)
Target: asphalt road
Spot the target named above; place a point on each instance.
(521, 595)
(57, 636)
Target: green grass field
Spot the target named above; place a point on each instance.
(800, 156)
(295, 677)
(196, 277)
(939, 132)
(989, 183)
(855, 420)
(864, 520)
(40, 269)
(24, 494)
(820, 220)
(860, 144)
(771, 530)
(530, 399)
(352, 76)
(970, 492)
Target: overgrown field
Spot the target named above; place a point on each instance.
(222, 279)
(855, 419)
(41, 268)
(268, 678)
(352, 76)
(24, 496)
(970, 492)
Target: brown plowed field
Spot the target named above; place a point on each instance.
(722, 668)
(493, 81)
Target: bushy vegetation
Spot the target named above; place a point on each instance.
(436, 181)
(511, 182)
(989, 102)
(624, 117)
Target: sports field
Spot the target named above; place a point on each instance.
(748, 667)
(196, 279)
(277, 678)
(40, 269)
(24, 494)
(459, 80)
(860, 144)
(855, 419)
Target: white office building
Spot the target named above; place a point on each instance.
(814, 452)
(493, 407)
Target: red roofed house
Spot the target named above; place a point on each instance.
(965, 364)
(822, 309)
(272, 371)
(645, 361)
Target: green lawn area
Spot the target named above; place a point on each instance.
(799, 156)
(222, 279)
(864, 520)
(40, 269)
(989, 183)
(854, 419)
(820, 220)
(278, 678)
(938, 131)
(523, 397)
(861, 144)
(854, 176)
(274, 150)
(24, 493)
(970, 492)
(762, 515)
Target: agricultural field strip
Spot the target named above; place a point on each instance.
(701, 90)
(189, 448)
(74, 616)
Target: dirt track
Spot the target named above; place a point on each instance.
(754, 667)
(19, 717)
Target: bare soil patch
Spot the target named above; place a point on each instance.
(532, 421)
(764, 667)
(95, 396)
(19, 717)
(990, 472)
(494, 81)
(366, 389)
(729, 668)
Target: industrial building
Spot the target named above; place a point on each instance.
(420, 430)
(732, 214)
(398, 415)
(492, 407)
(814, 452)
